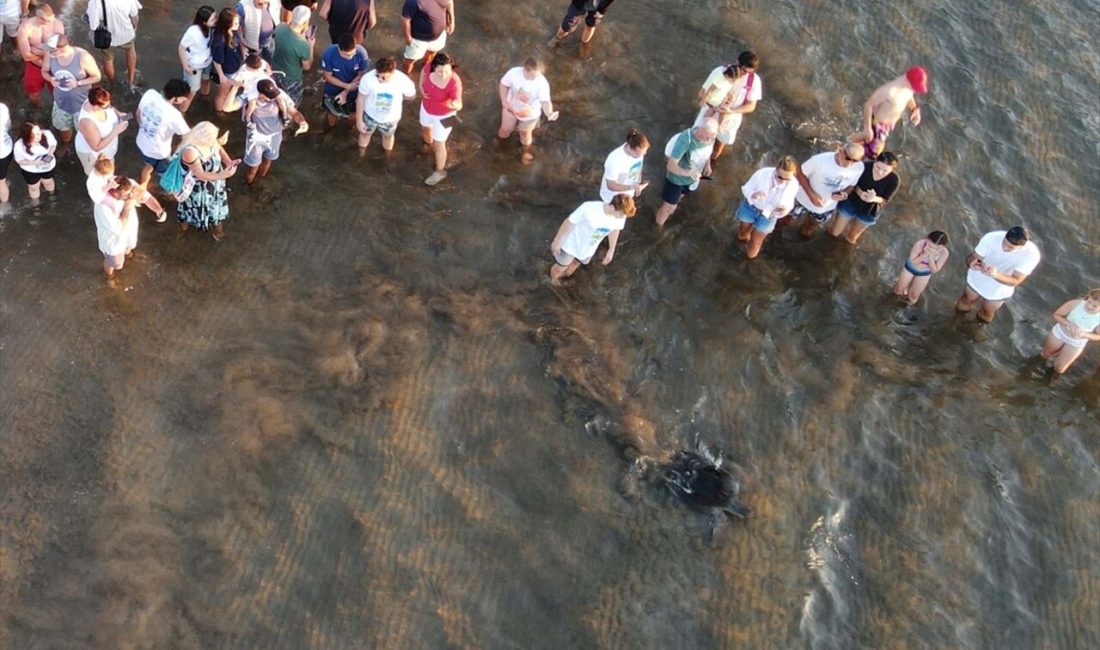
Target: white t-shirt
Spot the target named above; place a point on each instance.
(5, 131)
(525, 96)
(382, 101)
(826, 178)
(621, 168)
(9, 12)
(197, 48)
(591, 223)
(159, 122)
(29, 159)
(249, 77)
(115, 235)
(1023, 259)
(119, 18)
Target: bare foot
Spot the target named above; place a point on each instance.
(527, 157)
(218, 233)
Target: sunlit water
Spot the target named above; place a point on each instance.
(366, 420)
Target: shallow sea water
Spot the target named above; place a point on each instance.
(365, 420)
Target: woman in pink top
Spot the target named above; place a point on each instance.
(442, 91)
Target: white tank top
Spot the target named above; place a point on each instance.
(104, 127)
(1081, 318)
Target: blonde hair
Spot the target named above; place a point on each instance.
(787, 164)
(203, 134)
(625, 204)
(103, 165)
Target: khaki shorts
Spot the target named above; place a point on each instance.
(417, 49)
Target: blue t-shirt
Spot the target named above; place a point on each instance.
(229, 58)
(345, 70)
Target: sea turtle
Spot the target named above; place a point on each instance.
(699, 480)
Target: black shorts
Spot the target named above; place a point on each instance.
(671, 193)
(32, 178)
(573, 18)
(5, 162)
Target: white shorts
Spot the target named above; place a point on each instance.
(440, 133)
(727, 127)
(417, 49)
(1061, 334)
(11, 26)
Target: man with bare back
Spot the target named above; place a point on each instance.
(32, 37)
(884, 109)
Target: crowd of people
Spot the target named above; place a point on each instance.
(258, 53)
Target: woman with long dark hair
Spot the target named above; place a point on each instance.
(227, 52)
(34, 153)
(442, 91)
(194, 52)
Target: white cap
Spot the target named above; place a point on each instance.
(51, 42)
(300, 15)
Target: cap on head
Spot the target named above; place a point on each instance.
(300, 15)
(917, 78)
(55, 41)
(1017, 235)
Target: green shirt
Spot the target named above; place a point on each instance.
(689, 153)
(290, 51)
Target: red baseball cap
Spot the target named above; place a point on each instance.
(917, 78)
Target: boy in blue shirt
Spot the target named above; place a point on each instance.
(342, 66)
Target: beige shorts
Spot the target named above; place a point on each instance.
(417, 49)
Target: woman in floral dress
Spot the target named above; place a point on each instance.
(203, 156)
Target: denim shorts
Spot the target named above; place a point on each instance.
(159, 165)
(750, 215)
(844, 210)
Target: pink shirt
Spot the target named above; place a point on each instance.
(436, 98)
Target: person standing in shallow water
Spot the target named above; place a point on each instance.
(825, 179)
(878, 183)
(207, 206)
(343, 65)
(1076, 323)
(885, 106)
(382, 93)
(583, 231)
(72, 72)
(116, 224)
(441, 89)
(729, 93)
(592, 11)
(426, 25)
(524, 95)
(34, 153)
(1001, 261)
(265, 117)
(688, 153)
(622, 170)
(769, 196)
(927, 257)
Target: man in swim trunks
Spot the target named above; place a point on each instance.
(885, 107)
(1001, 261)
(32, 37)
